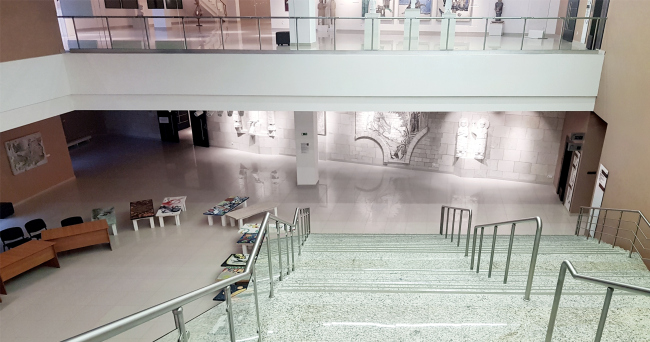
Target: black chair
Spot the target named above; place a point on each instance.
(6, 209)
(70, 221)
(13, 237)
(34, 227)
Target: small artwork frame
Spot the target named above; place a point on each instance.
(321, 123)
(26, 153)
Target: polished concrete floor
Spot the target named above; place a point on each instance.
(95, 285)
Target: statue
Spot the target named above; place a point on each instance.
(479, 133)
(498, 9)
(198, 12)
(321, 12)
(332, 10)
(462, 138)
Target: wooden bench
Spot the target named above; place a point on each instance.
(25, 257)
(78, 235)
(251, 210)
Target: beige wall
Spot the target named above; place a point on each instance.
(28, 28)
(624, 103)
(31, 182)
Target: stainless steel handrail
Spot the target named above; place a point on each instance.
(453, 223)
(611, 286)
(533, 259)
(301, 17)
(175, 305)
(636, 239)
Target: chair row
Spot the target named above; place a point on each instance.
(15, 236)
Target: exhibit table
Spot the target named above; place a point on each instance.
(107, 214)
(25, 257)
(142, 210)
(78, 235)
(171, 206)
(224, 207)
(241, 214)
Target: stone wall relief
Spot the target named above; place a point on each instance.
(471, 142)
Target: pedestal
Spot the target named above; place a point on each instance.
(306, 148)
(371, 32)
(411, 29)
(448, 31)
(495, 28)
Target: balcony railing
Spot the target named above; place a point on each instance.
(329, 33)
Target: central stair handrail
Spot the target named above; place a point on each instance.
(301, 223)
(453, 223)
(533, 259)
(611, 285)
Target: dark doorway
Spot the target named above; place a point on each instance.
(199, 121)
(168, 124)
(564, 171)
(597, 27)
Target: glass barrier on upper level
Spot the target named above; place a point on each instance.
(330, 33)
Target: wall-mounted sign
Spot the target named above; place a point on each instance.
(575, 147)
(577, 136)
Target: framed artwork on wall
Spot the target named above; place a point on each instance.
(396, 132)
(26, 153)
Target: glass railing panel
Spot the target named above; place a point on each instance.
(128, 33)
(541, 35)
(349, 34)
(203, 33)
(88, 33)
(324, 33)
(166, 33)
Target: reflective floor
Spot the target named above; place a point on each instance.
(247, 35)
(95, 285)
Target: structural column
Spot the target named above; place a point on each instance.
(306, 148)
(306, 27)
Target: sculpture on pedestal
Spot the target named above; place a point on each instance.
(332, 10)
(479, 132)
(498, 9)
(321, 12)
(462, 138)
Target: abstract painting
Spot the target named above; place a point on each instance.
(320, 123)
(396, 132)
(26, 153)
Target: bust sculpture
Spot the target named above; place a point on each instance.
(498, 9)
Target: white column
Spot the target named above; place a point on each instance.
(448, 27)
(371, 31)
(306, 27)
(411, 29)
(306, 148)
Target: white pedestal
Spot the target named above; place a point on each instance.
(495, 29)
(448, 31)
(306, 148)
(411, 29)
(371, 32)
(536, 34)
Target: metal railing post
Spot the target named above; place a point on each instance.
(231, 320)
(603, 314)
(184, 34)
(442, 218)
(471, 266)
(179, 321)
(259, 32)
(602, 230)
(277, 227)
(298, 229)
(486, 33)
(410, 38)
(453, 224)
(74, 25)
(578, 224)
(146, 31)
(480, 248)
(447, 42)
(460, 228)
(293, 256)
(110, 37)
(632, 247)
(494, 244)
(469, 230)
(286, 236)
(591, 217)
(512, 239)
(223, 42)
(334, 24)
(372, 34)
(297, 40)
(556, 302)
(559, 45)
(447, 224)
(268, 252)
(257, 305)
(620, 218)
(523, 34)
(533, 260)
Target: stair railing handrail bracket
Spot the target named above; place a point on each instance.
(300, 224)
(592, 227)
(533, 259)
(611, 286)
(453, 223)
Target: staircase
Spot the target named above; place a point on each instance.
(420, 288)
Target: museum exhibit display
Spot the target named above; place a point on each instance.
(396, 132)
(225, 206)
(171, 206)
(498, 9)
(471, 141)
(26, 153)
(462, 8)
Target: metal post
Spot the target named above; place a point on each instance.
(533, 260)
(110, 37)
(486, 33)
(179, 321)
(523, 34)
(603, 314)
(372, 34)
(471, 266)
(257, 305)
(293, 256)
(556, 303)
(442, 218)
(309, 219)
(447, 43)
(146, 31)
(559, 45)
(75, 33)
(277, 227)
(334, 23)
(620, 218)
(579, 222)
(286, 236)
(460, 228)
(453, 224)
(494, 244)
(603, 228)
(223, 42)
(297, 41)
(512, 238)
(632, 247)
(184, 35)
(591, 217)
(268, 253)
(231, 320)
(447, 225)
(469, 228)
(410, 38)
(480, 248)
(298, 228)
(259, 32)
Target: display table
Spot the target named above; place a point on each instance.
(171, 206)
(224, 207)
(25, 257)
(142, 210)
(496, 28)
(107, 214)
(241, 214)
(78, 235)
